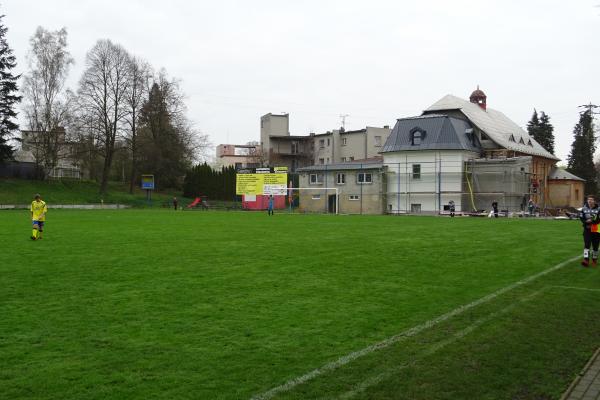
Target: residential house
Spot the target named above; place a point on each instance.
(424, 158)
(471, 154)
(501, 137)
(33, 151)
(279, 148)
(340, 146)
(337, 146)
(238, 155)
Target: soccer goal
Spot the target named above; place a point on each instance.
(315, 199)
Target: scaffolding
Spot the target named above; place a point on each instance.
(473, 185)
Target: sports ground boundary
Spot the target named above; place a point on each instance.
(287, 386)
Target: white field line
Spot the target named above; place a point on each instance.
(402, 335)
(576, 288)
(364, 385)
(458, 335)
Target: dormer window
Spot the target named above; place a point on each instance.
(416, 136)
(529, 143)
(512, 138)
(521, 141)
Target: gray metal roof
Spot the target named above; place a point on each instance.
(351, 165)
(559, 173)
(441, 133)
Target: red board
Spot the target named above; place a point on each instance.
(262, 202)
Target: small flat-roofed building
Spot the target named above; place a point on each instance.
(360, 185)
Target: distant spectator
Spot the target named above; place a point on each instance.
(451, 207)
(495, 208)
(175, 203)
(270, 207)
(531, 207)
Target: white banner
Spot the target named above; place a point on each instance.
(275, 190)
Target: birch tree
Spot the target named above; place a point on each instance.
(47, 102)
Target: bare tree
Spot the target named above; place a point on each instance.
(139, 75)
(47, 103)
(256, 154)
(103, 92)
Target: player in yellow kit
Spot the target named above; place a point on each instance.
(38, 216)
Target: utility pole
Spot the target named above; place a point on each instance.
(591, 108)
(343, 117)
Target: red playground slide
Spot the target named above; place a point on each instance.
(195, 202)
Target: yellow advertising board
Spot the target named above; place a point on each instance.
(261, 183)
(249, 183)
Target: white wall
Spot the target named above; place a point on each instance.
(441, 179)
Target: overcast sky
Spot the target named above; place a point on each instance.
(374, 60)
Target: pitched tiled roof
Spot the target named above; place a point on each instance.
(496, 125)
(559, 173)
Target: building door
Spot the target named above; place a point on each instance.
(332, 204)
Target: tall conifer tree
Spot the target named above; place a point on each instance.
(581, 158)
(540, 128)
(8, 96)
(546, 131)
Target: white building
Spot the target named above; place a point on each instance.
(463, 151)
(424, 158)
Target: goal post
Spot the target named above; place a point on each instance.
(318, 189)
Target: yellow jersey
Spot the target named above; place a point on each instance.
(38, 210)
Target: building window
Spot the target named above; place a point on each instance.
(341, 179)
(344, 141)
(328, 142)
(354, 197)
(327, 160)
(415, 208)
(316, 179)
(511, 138)
(321, 161)
(294, 147)
(350, 158)
(321, 143)
(343, 159)
(416, 171)
(364, 177)
(316, 196)
(377, 141)
(416, 136)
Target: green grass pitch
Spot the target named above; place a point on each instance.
(142, 304)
